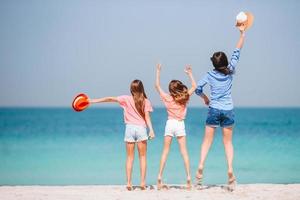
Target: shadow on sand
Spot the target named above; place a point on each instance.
(179, 187)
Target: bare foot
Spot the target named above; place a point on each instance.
(231, 181)
(199, 177)
(129, 187)
(188, 184)
(143, 186)
(160, 185)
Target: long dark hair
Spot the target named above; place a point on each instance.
(179, 92)
(220, 62)
(139, 96)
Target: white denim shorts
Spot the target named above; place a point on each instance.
(135, 133)
(175, 128)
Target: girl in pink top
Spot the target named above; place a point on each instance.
(137, 110)
(176, 104)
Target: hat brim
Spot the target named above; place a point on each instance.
(250, 19)
(80, 102)
(248, 23)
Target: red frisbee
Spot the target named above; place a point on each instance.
(80, 102)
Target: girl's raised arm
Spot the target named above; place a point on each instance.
(188, 71)
(157, 81)
(104, 99)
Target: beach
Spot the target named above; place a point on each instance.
(213, 192)
(223, 73)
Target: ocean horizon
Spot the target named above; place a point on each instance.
(57, 146)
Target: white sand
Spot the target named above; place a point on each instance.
(251, 191)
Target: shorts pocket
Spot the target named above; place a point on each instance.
(228, 118)
(213, 117)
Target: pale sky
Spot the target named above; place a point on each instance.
(52, 50)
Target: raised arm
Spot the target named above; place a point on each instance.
(157, 81)
(188, 71)
(240, 43)
(149, 124)
(104, 99)
(236, 53)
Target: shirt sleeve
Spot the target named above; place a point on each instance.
(201, 84)
(234, 60)
(122, 100)
(148, 106)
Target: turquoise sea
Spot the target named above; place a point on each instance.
(57, 146)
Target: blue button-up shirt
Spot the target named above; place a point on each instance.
(220, 85)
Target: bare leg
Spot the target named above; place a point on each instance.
(207, 141)
(185, 156)
(142, 148)
(227, 140)
(129, 162)
(167, 144)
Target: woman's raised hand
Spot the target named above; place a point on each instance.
(242, 32)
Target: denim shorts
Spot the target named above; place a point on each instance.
(216, 118)
(135, 133)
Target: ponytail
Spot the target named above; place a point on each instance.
(220, 62)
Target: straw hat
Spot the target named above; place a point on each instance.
(244, 20)
(80, 102)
